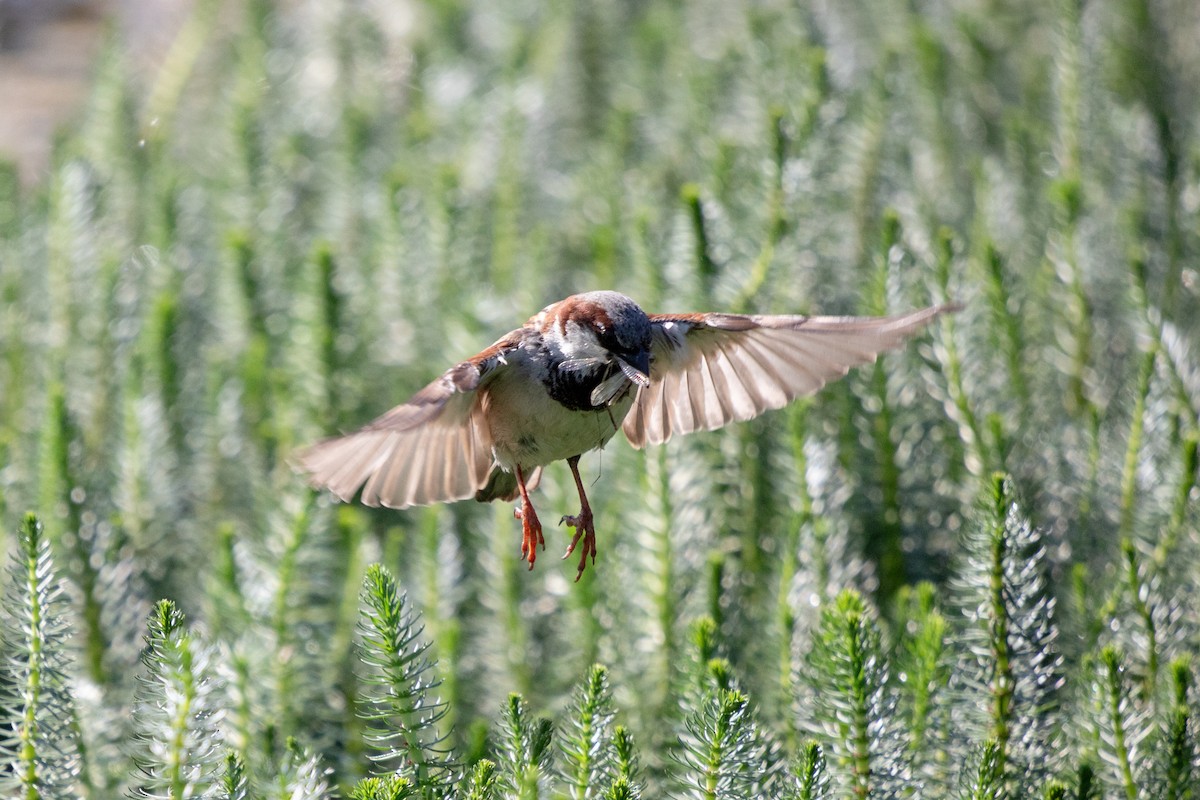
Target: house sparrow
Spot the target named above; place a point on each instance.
(572, 376)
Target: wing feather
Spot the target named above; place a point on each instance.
(683, 415)
(779, 380)
(381, 484)
(712, 369)
(800, 368)
(436, 447)
(707, 401)
(765, 375)
(341, 461)
(735, 394)
(407, 474)
(659, 411)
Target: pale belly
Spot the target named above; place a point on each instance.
(535, 429)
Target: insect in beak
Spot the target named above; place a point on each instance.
(611, 386)
(636, 373)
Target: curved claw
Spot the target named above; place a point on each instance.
(531, 533)
(583, 529)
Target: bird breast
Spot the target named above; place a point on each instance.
(539, 412)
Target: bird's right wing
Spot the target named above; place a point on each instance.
(436, 447)
(708, 370)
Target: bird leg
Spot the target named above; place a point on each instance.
(531, 527)
(582, 523)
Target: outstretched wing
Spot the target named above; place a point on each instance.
(712, 369)
(436, 447)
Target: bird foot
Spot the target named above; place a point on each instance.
(583, 529)
(531, 532)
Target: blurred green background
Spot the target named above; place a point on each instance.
(311, 210)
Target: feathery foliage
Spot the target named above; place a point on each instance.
(526, 748)
(720, 755)
(178, 712)
(398, 701)
(234, 782)
(1181, 764)
(810, 773)
(1012, 672)
(39, 755)
(855, 709)
(587, 748)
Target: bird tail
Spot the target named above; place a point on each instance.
(502, 485)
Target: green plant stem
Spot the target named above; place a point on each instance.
(1112, 667)
(1010, 325)
(811, 771)
(861, 736)
(1093, 460)
(175, 647)
(1180, 738)
(1068, 194)
(1164, 549)
(331, 312)
(283, 612)
(776, 221)
(1138, 592)
(1133, 449)
(732, 704)
(885, 538)
(977, 460)
(58, 487)
(1003, 680)
(706, 267)
(31, 700)
(924, 646)
(887, 545)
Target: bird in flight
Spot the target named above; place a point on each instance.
(568, 379)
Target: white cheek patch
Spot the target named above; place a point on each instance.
(579, 342)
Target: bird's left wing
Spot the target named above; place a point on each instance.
(436, 447)
(708, 370)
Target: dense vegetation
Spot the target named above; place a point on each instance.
(968, 571)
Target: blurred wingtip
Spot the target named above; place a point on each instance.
(949, 307)
(311, 462)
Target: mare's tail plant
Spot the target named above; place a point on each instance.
(588, 753)
(178, 711)
(399, 705)
(39, 754)
(526, 751)
(1009, 680)
(854, 708)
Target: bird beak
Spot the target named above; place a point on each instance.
(637, 371)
